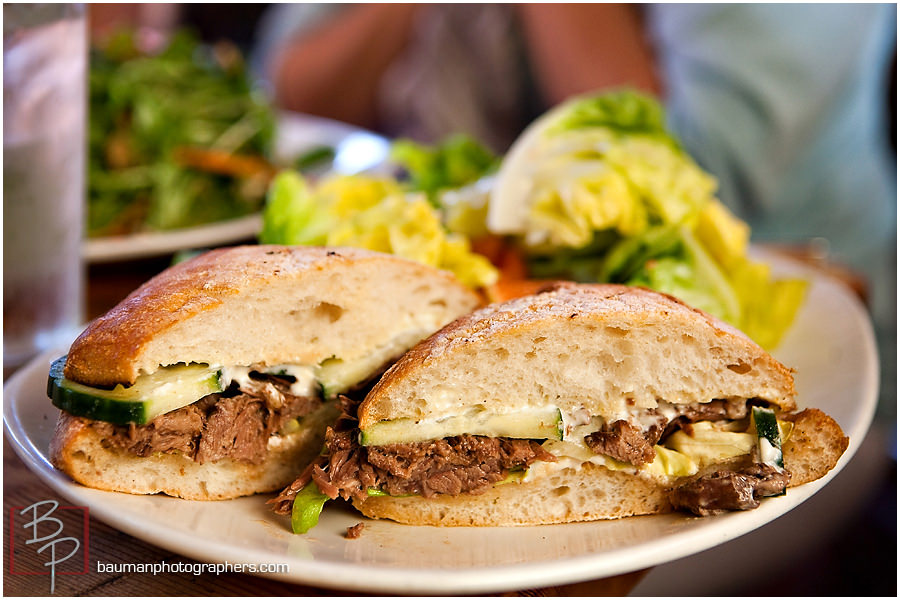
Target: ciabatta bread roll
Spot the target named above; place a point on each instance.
(217, 378)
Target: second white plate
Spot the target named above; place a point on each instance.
(356, 150)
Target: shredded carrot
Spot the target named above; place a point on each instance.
(509, 260)
(223, 163)
(507, 289)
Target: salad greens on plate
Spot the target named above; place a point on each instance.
(176, 139)
(596, 190)
(376, 213)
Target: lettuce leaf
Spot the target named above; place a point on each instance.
(289, 211)
(372, 213)
(622, 111)
(455, 162)
(597, 190)
(455, 174)
(587, 181)
(768, 305)
(685, 270)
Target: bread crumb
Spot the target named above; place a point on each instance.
(355, 531)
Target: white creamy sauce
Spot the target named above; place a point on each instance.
(573, 455)
(639, 417)
(574, 418)
(768, 453)
(541, 469)
(239, 375)
(576, 433)
(579, 422)
(304, 384)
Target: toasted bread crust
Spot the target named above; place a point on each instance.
(816, 444)
(560, 311)
(111, 349)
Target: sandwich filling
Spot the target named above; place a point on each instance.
(209, 413)
(236, 423)
(682, 445)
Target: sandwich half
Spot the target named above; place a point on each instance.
(218, 377)
(580, 403)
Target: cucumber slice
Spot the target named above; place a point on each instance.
(540, 425)
(768, 436)
(337, 376)
(167, 389)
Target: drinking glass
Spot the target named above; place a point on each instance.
(44, 147)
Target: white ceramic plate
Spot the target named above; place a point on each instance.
(831, 345)
(356, 150)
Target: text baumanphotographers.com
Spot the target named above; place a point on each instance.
(192, 568)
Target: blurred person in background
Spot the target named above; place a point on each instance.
(153, 23)
(156, 22)
(428, 70)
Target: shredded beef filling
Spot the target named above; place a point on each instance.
(712, 493)
(624, 442)
(354, 531)
(465, 464)
(726, 490)
(232, 424)
(716, 410)
(469, 464)
(462, 464)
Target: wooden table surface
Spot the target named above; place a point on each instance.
(107, 285)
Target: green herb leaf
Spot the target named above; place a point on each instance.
(307, 507)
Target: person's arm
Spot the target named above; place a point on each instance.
(334, 71)
(153, 22)
(575, 48)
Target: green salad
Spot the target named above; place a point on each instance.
(598, 190)
(176, 139)
(454, 163)
(375, 213)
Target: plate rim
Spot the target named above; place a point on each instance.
(149, 244)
